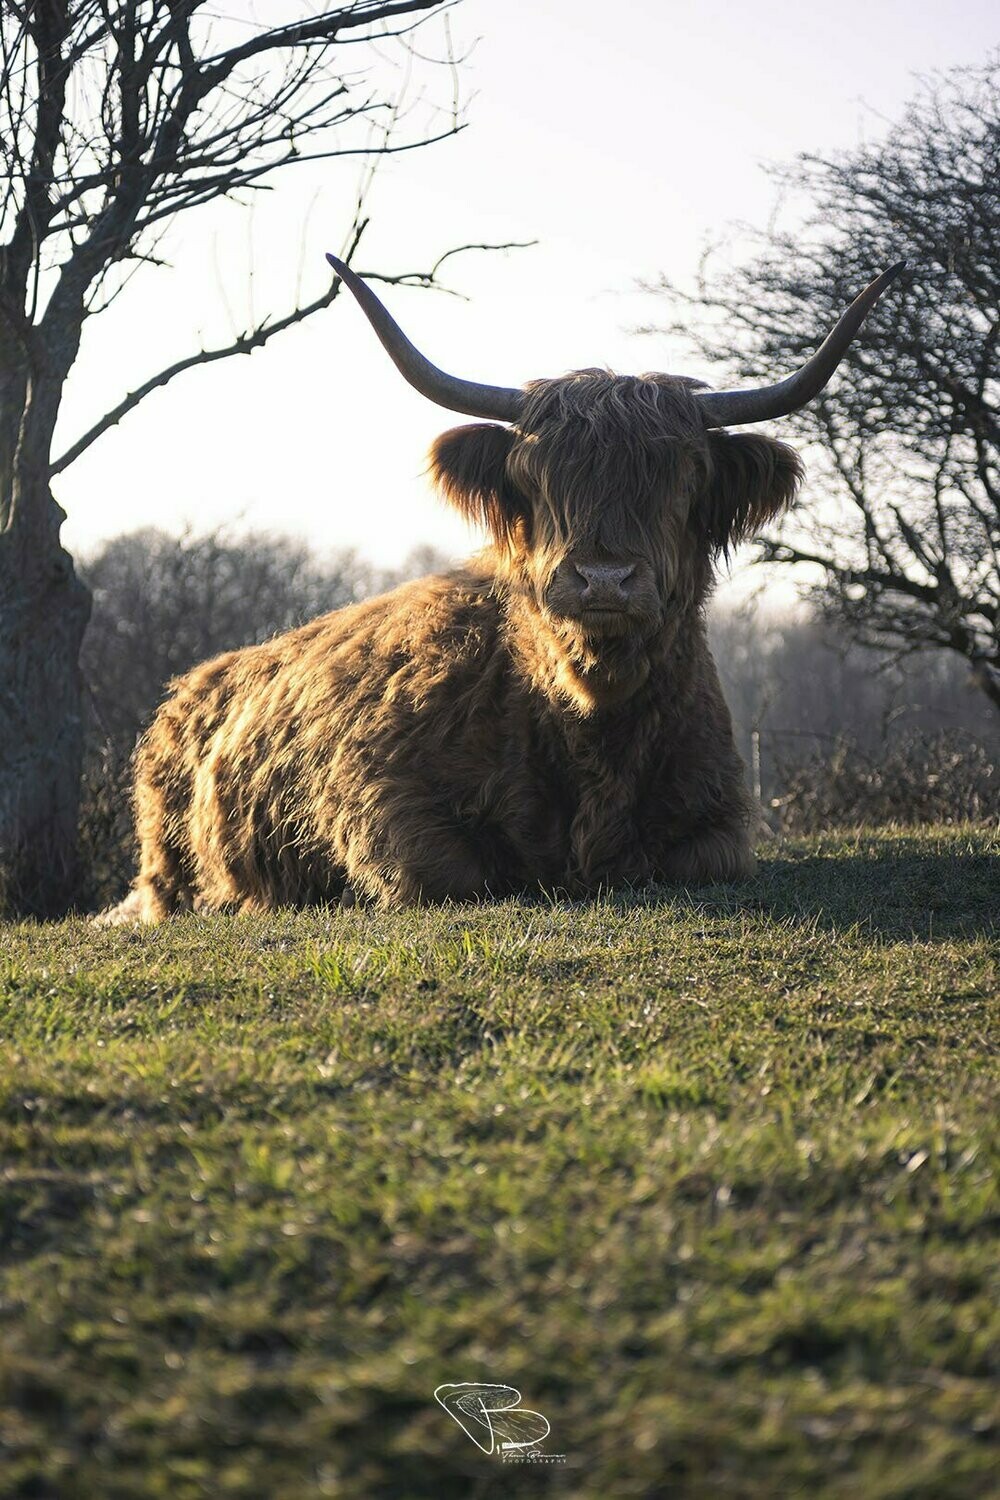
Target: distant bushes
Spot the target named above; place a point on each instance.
(942, 777)
(106, 846)
(838, 735)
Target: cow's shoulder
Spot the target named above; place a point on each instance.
(452, 616)
(415, 670)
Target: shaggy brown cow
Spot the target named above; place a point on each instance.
(547, 716)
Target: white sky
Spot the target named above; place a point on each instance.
(622, 138)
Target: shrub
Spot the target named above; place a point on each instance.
(944, 777)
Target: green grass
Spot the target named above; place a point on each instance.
(709, 1177)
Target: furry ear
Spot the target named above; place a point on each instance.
(469, 466)
(751, 480)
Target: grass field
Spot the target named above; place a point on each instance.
(710, 1178)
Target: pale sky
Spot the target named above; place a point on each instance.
(622, 138)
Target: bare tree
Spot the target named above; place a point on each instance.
(908, 438)
(115, 117)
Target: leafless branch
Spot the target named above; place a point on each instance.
(255, 338)
(116, 116)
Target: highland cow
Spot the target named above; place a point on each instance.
(547, 716)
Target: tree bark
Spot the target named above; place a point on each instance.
(13, 395)
(44, 610)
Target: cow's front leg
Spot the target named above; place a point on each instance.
(714, 854)
(415, 855)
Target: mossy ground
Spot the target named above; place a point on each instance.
(709, 1177)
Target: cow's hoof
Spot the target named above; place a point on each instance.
(129, 910)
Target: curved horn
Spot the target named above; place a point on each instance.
(467, 396)
(733, 408)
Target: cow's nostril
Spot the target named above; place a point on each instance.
(603, 579)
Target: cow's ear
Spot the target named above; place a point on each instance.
(469, 466)
(751, 480)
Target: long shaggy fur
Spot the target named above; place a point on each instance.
(476, 734)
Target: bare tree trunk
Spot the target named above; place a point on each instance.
(44, 609)
(13, 395)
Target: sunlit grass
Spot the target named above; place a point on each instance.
(710, 1177)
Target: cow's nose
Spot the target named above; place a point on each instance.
(604, 583)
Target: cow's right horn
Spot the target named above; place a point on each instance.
(502, 403)
(763, 404)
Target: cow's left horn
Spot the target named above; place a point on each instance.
(500, 402)
(733, 408)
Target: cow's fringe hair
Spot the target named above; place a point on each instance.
(606, 453)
